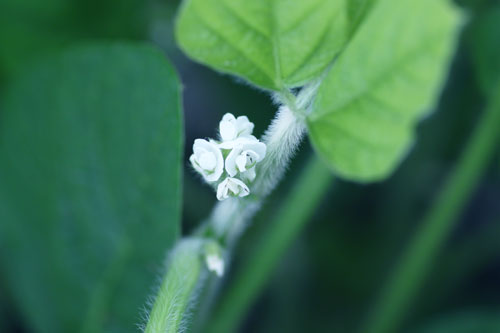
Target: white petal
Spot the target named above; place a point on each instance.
(207, 161)
(249, 175)
(243, 189)
(230, 164)
(247, 138)
(195, 165)
(228, 117)
(256, 146)
(227, 131)
(233, 185)
(200, 146)
(241, 162)
(215, 264)
(244, 126)
(222, 190)
(228, 144)
(203, 163)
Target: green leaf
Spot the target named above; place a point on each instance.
(273, 44)
(29, 28)
(363, 119)
(357, 10)
(90, 172)
(484, 41)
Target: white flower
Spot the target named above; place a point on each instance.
(231, 128)
(207, 159)
(229, 163)
(232, 186)
(215, 264)
(246, 153)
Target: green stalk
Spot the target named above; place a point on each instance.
(295, 211)
(417, 261)
(172, 302)
(225, 224)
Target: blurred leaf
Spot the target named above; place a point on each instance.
(484, 39)
(32, 27)
(90, 173)
(366, 109)
(272, 44)
(464, 322)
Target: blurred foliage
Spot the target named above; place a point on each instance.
(484, 39)
(330, 277)
(84, 177)
(484, 321)
(29, 28)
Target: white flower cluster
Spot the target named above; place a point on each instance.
(230, 162)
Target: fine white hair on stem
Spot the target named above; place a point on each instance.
(179, 289)
(171, 309)
(282, 138)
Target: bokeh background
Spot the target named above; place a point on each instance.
(334, 271)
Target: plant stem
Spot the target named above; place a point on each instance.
(230, 217)
(227, 221)
(417, 261)
(173, 300)
(282, 140)
(295, 211)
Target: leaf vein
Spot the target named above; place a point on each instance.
(258, 66)
(379, 79)
(312, 52)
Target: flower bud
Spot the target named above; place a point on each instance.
(246, 153)
(231, 128)
(232, 187)
(207, 159)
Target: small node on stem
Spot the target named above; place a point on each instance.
(214, 258)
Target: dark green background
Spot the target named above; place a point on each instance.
(332, 274)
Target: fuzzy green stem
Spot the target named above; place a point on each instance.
(294, 213)
(228, 218)
(417, 261)
(185, 268)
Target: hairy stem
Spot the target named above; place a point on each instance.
(228, 220)
(417, 261)
(184, 271)
(282, 140)
(295, 211)
(229, 217)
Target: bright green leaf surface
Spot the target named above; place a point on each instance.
(271, 43)
(90, 148)
(363, 119)
(357, 10)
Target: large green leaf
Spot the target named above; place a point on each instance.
(363, 119)
(90, 149)
(271, 43)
